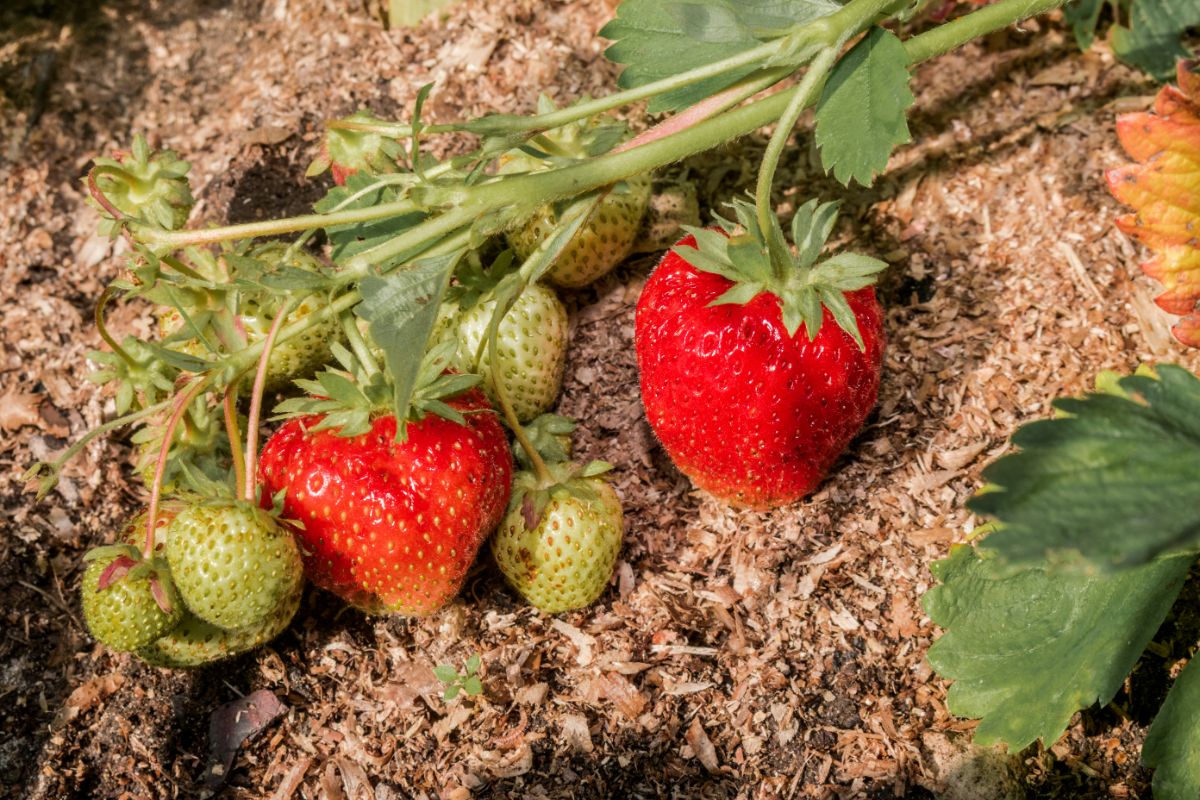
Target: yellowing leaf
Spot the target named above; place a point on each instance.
(1164, 189)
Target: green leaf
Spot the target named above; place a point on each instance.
(847, 271)
(811, 226)
(656, 39)
(843, 315)
(1152, 40)
(1173, 745)
(1083, 15)
(739, 294)
(1115, 480)
(451, 692)
(861, 114)
(806, 308)
(176, 359)
(401, 309)
(1026, 650)
(473, 686)
(445, 673)
(348, 241)
(472, 665)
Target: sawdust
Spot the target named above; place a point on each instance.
(739, 654)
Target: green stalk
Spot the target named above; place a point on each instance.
(105, 296)
(256, 396)
(510, 416)
(510, 124)
(273, 227)
(236, 453)
(956, 33)
(55, 466)
(802, 97)
(182, 401)
(358, 345)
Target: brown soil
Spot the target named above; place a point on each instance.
(739, 654)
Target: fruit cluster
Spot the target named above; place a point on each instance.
(386, 510)
(398, 369)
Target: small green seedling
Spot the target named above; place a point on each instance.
(467, 682)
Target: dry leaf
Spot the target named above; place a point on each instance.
(702, 746)
(18, 409)
(86, 697)
(233, 724)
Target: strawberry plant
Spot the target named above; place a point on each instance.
(467, 681)
(1097, 527)
(393, 467)
(1146, 34)
(1164, 189)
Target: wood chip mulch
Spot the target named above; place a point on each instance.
(738, 654)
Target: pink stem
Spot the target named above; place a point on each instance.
(94, 189)
(235, 436)
(687, 118)
(260, 381)
(182, 401)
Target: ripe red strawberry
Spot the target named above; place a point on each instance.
(387, 525)
(747, 405)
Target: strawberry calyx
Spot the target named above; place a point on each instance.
(127, 563)
(550, 435)
(142, 185)
(531, 493)
(355, 144)
(351, 398)
(758, 261)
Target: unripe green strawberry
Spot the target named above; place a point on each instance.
(672, 207)
(194, 642)
(531, 349)
(199, 447)
(603, 242)
(143, 184)
(297, 357)
(125, 614)
(560, 556)
(233, 564)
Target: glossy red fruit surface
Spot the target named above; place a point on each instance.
(392, 526)
(752, 415)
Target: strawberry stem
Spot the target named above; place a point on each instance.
(510, 416)
(955, 33)
(183, 269)
(710, 106)
(260, 381)
(802, 96)
(359, 345)
(54, 467)
(235, 436)
(182, 401)
(105, 296)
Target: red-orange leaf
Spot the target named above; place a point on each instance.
(1164, 189)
